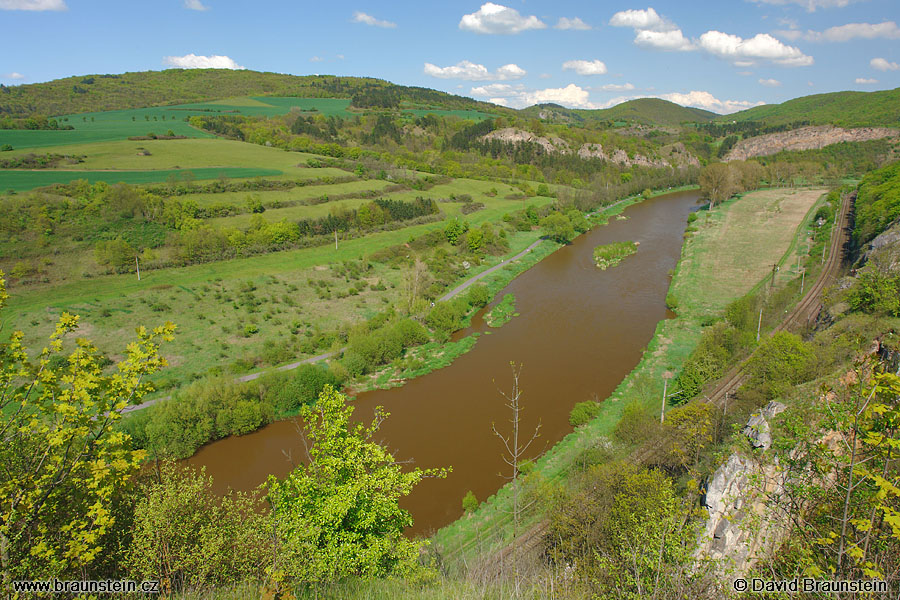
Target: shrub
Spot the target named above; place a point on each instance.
(470, 502)
(478, 295)
(583, 413)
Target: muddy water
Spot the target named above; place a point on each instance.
(580, 331)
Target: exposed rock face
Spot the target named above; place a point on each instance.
(619, 156)
(555, 145)
(512, 135)
(757, 428)
(740, 528)
(805, 138)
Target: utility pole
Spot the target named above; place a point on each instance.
(335, 239)
(662, 413)
(138, 265)
(802, 279)
(759, 324)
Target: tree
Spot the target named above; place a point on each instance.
(184, 535)
(338, 515)
(716, 182)
(64, 464)
(557, 226)
(514, 452)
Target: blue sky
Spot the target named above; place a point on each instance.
(722, 56)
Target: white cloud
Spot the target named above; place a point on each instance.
(651, 30)
(13, 75)
(882, 64)
(615, 87)
(192, 61)
(864, 81)
(810, 5)
(575, 23)
(470, 71)
(36, 5)
(762, 45)
(361, 17)
(663, 40)
(316, 59)
(518, 96)
(744, 63)
(585, 67)
(707, 101)
(195, 5)
(845, 33)
(641, 19)
(498, 19)
(697, 99)
(770, 82)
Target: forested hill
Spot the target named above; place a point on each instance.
(95, 93)
(642, 110)
(844, 109)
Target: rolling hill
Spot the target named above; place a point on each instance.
(844, 109)
(96, 93)
(642, 110)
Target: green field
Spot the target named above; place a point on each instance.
(27, 180)
(122, 124)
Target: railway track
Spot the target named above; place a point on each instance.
(807, 308)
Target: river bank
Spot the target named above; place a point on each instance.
(573, 317)
(725, 253)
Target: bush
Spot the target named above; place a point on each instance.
(288, 392)
(583, 413)
(470, 502)
(782, 361)
(446, 317)
(636, 424)
(478, 296)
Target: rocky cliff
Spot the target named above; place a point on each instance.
(677, 153)
(805, 138)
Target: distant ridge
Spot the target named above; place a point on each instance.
(96, 93)
(641, 110)
(844, 109)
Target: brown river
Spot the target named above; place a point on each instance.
(580, 331)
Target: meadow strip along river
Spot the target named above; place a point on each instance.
(580, 331)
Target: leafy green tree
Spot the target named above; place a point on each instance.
(63, 462)
(184, 535)
(558, 227)
(626, 531)
(338, 515)
(579, 222)
(780, 362)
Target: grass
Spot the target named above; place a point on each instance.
(122, 124)
(205, 301)
(742, 242)
(747, 217)
(168, 154)
(20, 180)
(609, 255)
(502, 312)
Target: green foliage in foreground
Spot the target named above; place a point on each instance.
(339, 516)
(625, 528)
(65, 469)
(609, 255)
